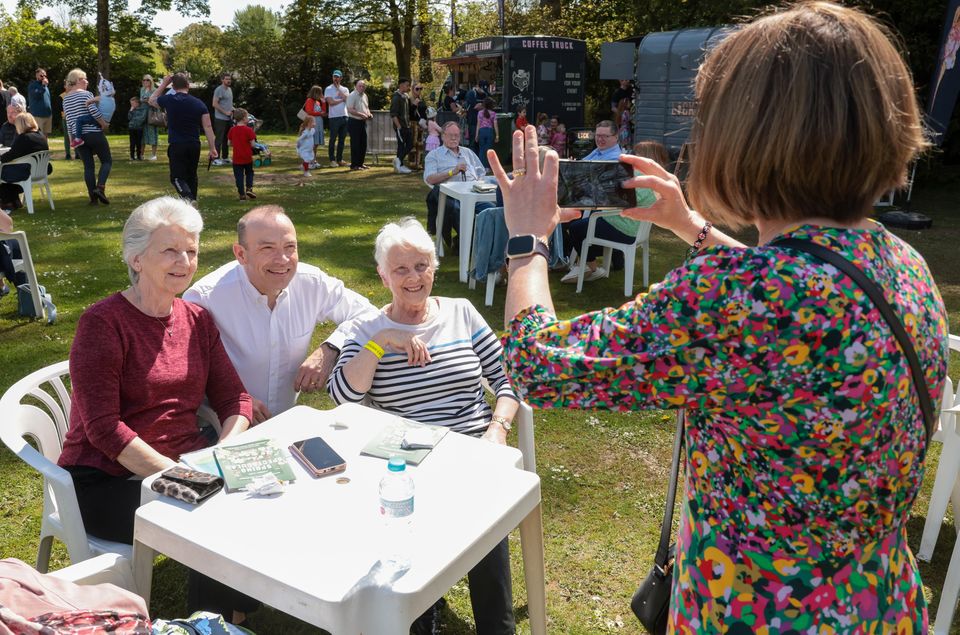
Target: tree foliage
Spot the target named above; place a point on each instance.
(197, 49)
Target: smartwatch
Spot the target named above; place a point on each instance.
(527, 245)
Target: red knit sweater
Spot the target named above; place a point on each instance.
(132, 378)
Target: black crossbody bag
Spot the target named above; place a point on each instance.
(651, 602)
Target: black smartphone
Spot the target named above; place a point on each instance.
(595, 185)
(318, 457)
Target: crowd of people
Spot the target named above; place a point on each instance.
(805, 438)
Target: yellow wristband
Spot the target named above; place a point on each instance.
(374, 348)
(450, 173)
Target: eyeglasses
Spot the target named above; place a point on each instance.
(602, 136)
(419, 88)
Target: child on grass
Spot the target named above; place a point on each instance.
(137, 118)
(242, 137)
(558, 140)
(305, 143)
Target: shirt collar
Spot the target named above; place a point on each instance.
(251, 292)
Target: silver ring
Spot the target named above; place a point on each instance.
(518, 172)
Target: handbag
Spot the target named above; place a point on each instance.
(157, 118)
(302, 114)
(189, 486)
(651, 601)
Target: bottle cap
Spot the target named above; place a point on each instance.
(396, 464)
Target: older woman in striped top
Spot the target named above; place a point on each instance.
(423, 357)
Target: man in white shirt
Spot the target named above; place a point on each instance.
(358, 111)
(267, 304)
(336, 96)
(449, 162)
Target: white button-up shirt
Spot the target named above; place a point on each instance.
(443, 159)
(267, 347)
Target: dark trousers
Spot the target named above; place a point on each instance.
(338, 134)
(220, 129)
(404, 142)
(184, 160)
(136, 143)
(451, 215)
(243, 173)
(358, 141)
(95, 144)
(577, 232)
(9, 250)
(10, 193)
(108, 506)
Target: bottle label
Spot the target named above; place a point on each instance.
(396, 509)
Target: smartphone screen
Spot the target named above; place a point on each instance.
(594, 185)
(319, 457)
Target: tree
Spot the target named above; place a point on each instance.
(197, 49)
(106, 13)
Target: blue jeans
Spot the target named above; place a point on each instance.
(484, 142)
(95, 144)
(338, 134)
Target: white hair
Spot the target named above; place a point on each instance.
(407, 233)
(165, 211)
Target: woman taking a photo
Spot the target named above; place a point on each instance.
(805, 438)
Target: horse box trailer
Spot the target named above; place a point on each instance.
(663, 67)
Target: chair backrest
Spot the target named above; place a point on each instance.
(26, 265)
(39, 164)
(36, 410)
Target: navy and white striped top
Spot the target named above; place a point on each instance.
(447, 391)
(75, 106)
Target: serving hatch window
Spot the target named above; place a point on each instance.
(548, 71)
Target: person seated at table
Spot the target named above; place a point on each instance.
(423, 357)
(29, 140)
(141, 363)
(450, 162)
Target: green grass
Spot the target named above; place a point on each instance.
(603, 475)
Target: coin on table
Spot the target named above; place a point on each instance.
(343, 480)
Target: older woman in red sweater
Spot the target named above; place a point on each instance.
(141, 363)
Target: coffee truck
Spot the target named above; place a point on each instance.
(536, 73)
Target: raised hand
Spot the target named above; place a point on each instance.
(530, 198)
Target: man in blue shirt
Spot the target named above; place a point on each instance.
(38, 102)
(608, 148)
(186, 117)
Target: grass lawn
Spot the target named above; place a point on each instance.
(603, 475)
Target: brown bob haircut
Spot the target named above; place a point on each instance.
(809, 111)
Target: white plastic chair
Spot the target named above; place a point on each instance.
(38, 162)
(945, 486)
(38, 408)
(25, 264)
(106, 568)
(642, 241)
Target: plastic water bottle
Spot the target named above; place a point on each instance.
(396, 509)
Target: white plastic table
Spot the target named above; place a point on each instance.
(463, 192)
(313, 551)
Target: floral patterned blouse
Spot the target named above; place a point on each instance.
(805, 443)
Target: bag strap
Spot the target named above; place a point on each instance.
(661, 559)
(873, 291)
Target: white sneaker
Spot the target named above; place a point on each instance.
(571, 276)
(397, 165)
(218, 162)
(596, 274)
(404, 170)
(307, 173)
(152, 158)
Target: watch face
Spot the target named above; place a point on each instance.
(520, 245)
